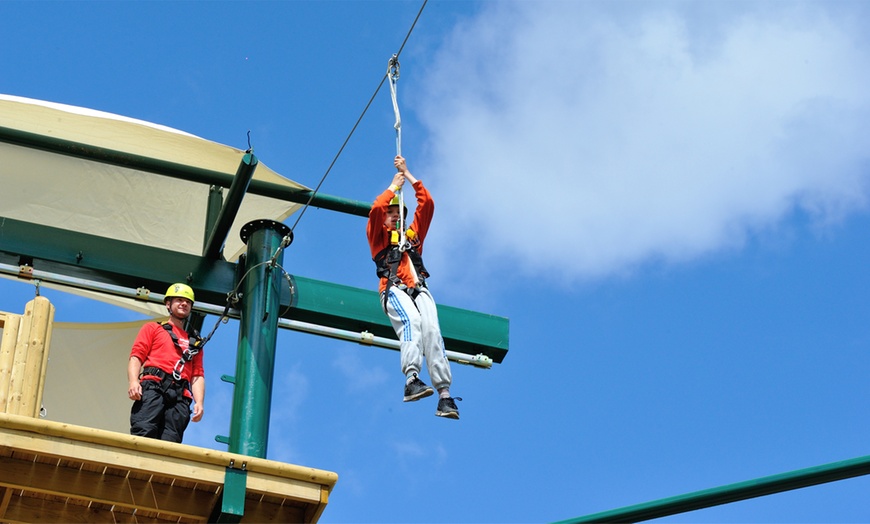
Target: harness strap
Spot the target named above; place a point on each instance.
(387, 264)
(194, 346)
(168, 384)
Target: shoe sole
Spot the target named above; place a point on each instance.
(423, 394)
(448, 414)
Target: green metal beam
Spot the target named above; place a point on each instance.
(230, 208)
(129, 265)
(354, 309)
(212, 210)
(180, 171)
(760, 487)
(113, 261)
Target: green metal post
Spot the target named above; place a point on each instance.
(258, 332)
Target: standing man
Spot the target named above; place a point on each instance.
(404, 294)
(165, 372)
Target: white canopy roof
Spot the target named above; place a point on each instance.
(116, 202)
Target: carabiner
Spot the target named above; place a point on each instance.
(393, 68)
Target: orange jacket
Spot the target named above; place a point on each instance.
(379, 235)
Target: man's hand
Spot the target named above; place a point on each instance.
(197, 412)
(134, 391)
(134, 388)
(197, 387)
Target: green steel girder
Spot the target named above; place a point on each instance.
(212, 212)
(129, 265)
(230, 207)
(354, 309)
(110, 261)
(708, 498)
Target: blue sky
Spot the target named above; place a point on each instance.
(669, 200)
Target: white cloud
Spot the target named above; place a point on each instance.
(580, 139)
(289, 393)
(411, 454)
(358, 375)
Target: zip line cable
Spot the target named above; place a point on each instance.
(346, 140)
(233, 296)
(289, 237)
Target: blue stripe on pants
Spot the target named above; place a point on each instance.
(397, 307)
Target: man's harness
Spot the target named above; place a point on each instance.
(387, 263)
(171, 384)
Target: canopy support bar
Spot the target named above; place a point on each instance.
(180, 171)
(231, 206)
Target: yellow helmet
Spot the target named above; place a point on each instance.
(179, 290)
(395, 201)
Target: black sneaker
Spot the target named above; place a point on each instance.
(447, 408)
(416, 389)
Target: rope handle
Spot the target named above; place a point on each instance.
(393, 71)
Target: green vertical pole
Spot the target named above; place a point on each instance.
(258, 332)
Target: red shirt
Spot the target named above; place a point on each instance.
(379, 235)
(154, 348)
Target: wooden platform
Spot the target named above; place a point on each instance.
(56, 472)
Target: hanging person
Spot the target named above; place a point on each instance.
(404, 294)
(165, 372)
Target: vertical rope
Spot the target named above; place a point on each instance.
(393, 74)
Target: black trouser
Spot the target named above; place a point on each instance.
(158, 415)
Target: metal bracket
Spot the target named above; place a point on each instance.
(25, 271)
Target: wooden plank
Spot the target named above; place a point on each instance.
(5, 497)
(265, 512)
(313, 513)
(96, 458)
(106, 489)
(147, 474)
(288, 488)
(45, 310)
(29, 509)
(168, 452)
(31, 345)
(17, 376)
(7, 356)
(92, 453)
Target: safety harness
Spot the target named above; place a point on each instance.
(171, 384)
(387, 264)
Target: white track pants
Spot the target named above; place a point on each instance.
(416, 325)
